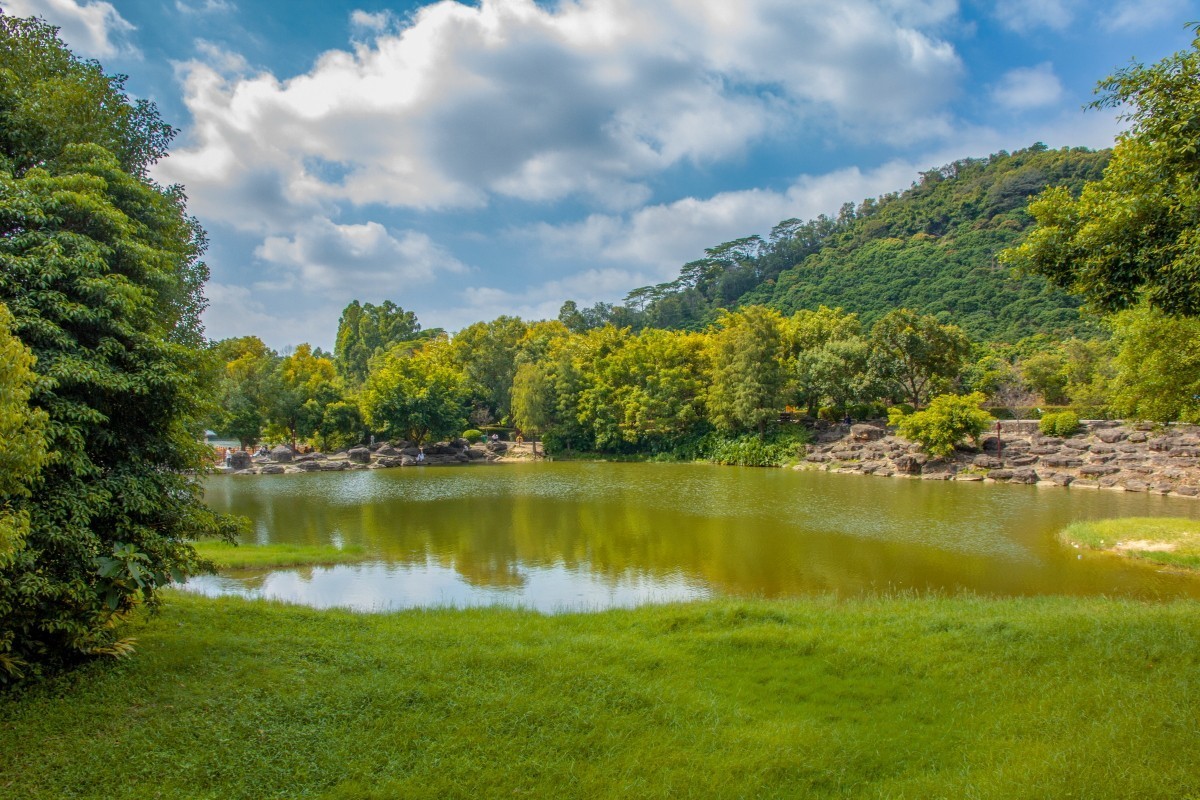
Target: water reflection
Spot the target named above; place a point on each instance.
(560, 536)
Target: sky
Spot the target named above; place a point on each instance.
(468, 160)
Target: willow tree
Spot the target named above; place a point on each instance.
(101, 270)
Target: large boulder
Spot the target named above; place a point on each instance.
(1111, 435)
(387, 451)
(497, 447)
(359, 455)
(911, 463)
(240, 459)
(867, 433)
(282, 454)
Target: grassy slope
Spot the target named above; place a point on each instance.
(882, 698)
(1131, 536)
(228, 556)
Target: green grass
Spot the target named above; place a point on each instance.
(881, 698)
(1134, 537)
(249, 556)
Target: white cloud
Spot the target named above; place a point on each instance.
(325, 258)
(661, 238)
(1130, 15)
(1028, 87)
(94, 29)
(589, 99)
(1025, 15)
(541, 301)
(205, 7)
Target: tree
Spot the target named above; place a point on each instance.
(750, 382)
(1135, 233)
(415, 395)
(247, 385)
(304, 385)
(101, 270)
(1157, 366)
(22, 438)
(365, 331)
(837, 372)
(487, 352)
(949, 419)
(917, 354)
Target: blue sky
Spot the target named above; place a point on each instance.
(467, 160)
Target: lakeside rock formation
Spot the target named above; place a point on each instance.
(384, 455)
(1103, 455)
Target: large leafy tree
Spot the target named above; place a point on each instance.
(366, 330)
(101, 270)
(22, 437)
(916, 354)
(750, 369)
(416, 395)
(487, 352)
(1157, 366)
(305, 385)
(1135, 233)
(247, 381)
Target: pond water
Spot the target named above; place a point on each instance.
(583, 536)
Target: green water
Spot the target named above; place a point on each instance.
(565, 536)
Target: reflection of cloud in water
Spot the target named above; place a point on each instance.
(381, 587)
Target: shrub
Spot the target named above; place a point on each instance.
(948, 420)
(752, 451)
(1061, 423)
(472, 435)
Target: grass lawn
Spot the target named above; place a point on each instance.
(1170, 541)
(245, 556)
(886, 698)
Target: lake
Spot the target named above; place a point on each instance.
(585, 536)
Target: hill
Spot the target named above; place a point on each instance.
(931, 248)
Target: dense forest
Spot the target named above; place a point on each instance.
(932, 249)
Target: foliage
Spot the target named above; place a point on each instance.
(1059, 423)
(750, 382)
(752, 450)
(366, 330)
(246, 387)
(472, 435)
(305, 387)
(916, 354)
(1157, 366)
(487, 354)
(949, 419)
(22, 437)
(1133, 234)
(414, 395)
(100, 269)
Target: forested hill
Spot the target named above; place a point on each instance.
(931, 249)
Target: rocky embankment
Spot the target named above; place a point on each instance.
(1103, 455)
(384, 455)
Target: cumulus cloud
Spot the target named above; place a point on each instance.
(660, 238)
(591, 99)
(324, 257)
(1030, 87)
(205, 7)
(94, 29)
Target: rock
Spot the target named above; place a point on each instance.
(1184, 452)
(309, 466)
(282, 454)
(359, 455)
(911, 464)
(968, 476)
(866, 433)
(1024, 475)
(1049, 441)
(474, 454)
(497, 447)
(1187, 491)
(1060, 479)
(1045, 450)
(1162, 444)
(1077, 444)
(240, 459)
(1098, 469)
(1000, 474)
(334, 466)
(1102, 458)
(1136, 486)
(1111, 435)
(386, 450)
(1162, 487)
(987, 462)
(1109, 482)
(818, 458)
(1083, 483)
(1103, 449)
(1138, 437)
(1021, 461)
(1064, 462)
(309, 457)
(271, 469)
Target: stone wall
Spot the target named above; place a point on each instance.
(1103, 455)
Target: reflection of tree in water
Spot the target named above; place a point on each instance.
(745, 532)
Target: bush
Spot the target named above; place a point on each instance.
(751, 451)
(472, 435)
(948, 420)
(1060, 423)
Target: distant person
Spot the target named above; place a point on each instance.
(847, 420)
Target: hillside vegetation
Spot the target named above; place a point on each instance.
(931, 249)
